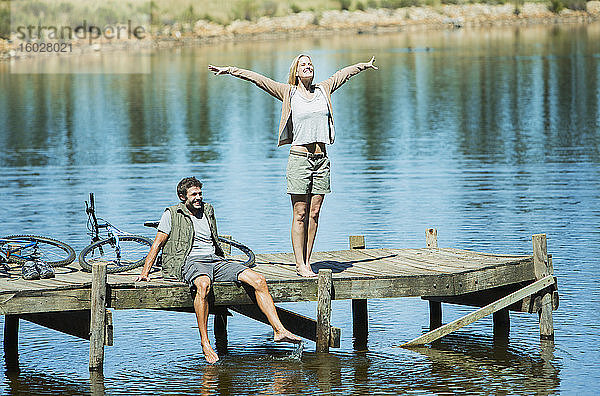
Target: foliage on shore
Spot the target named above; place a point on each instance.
(224, 12)
(183, 20)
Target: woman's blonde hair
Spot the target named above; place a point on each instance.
(293, 78)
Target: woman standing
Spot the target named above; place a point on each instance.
(307, 124)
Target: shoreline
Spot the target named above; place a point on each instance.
(315, 24)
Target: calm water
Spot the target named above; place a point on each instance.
(488, 135)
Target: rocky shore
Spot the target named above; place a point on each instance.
(443, 16)
(334, 21)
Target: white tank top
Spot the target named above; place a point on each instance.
(310, 118)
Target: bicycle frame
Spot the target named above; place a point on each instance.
(95, 227)
(13, 247)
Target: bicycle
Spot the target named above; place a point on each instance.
(19, 249)
(120, 250)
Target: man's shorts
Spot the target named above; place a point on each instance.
(215, 267)
(308, 174)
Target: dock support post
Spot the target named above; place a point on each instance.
(220, 331)
(543, 267)
(98, 317)
(220, 319)
(501, 323)
(360, 312)
(324, 289)
(435, 314)
(435, 307)
(11, 342)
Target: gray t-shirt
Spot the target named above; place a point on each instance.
(203, 245)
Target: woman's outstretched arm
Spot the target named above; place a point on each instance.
(341, 76)
(274, 88)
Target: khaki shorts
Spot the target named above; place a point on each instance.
(308, 174)
(216, 268)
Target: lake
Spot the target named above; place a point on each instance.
(489, 135)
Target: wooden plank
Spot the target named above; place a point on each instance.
(324, 310)
(32, 285)
(543, 267)
(480, 313)
(227, 293)
(487, 296)
(165, 294)
(274, 272)
(464, 258)
(356, 242)
(530, 304)
(505, 257)
(431, 238)
(98, 317)
(345, 266)
(541, 264)
(399, 267)
(434, 260)
(376, 262)
(545, 316)
(409, 263)
(369, 265)
(435, 307)
(45, 301)
(151, 296)
(391, 268)
(464, 261)
(481, 259)
(277, 258)
(300, 325)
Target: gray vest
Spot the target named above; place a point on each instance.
(180, 240)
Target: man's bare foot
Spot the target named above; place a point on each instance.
(209, 354)
(285, 336)
(305, 271)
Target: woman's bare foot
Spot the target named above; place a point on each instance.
(305, 271)
(285, 336)
(209, 354)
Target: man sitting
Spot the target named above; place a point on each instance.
(187, 235)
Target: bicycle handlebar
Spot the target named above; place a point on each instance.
(153, 224)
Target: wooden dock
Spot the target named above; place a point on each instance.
(79, 303)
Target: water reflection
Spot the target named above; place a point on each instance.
(498, 102)
(37, 382)
(499, 369)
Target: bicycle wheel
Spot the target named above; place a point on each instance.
(28, 247)
(133, 252)
(250, 262)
